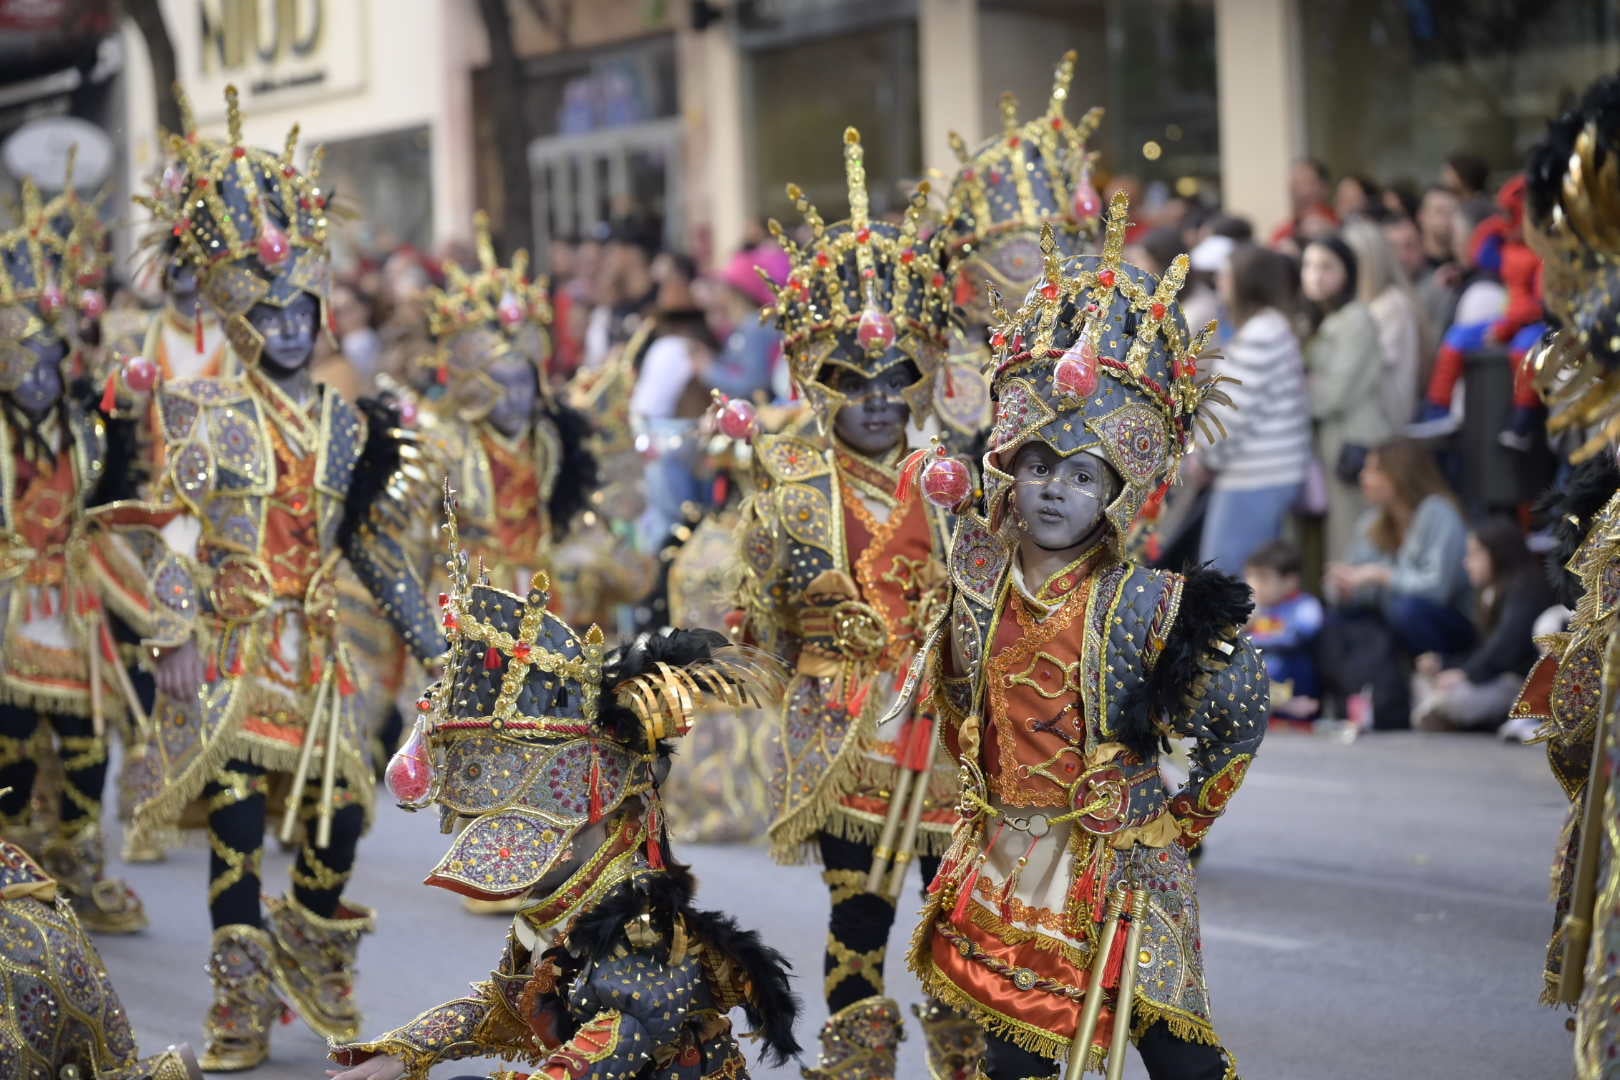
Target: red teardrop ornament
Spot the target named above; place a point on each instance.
(737, 419)
(1087, 203)
(50, 300)
(875, 331)
(272, 245)
(510, 310)
(140, 374)
(945, 482)
(1076, 372)
(410, 771)
(92, 303)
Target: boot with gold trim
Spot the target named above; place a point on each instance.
(175, 1063)
(860, 1042)
(314, 962)
(76, 859)
(955, 1043)
(245, 1002)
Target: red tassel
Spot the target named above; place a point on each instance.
(655, 844)
(314, 670)
(276, 652)
(238, 664)
(908, 474)
(109, 395)
(950, 383)
(1116, 954)
(793, 390)
(196, 324)
(45, 606)
(722, 488)
(345, 684)
(856, 702)
(492, 659)
(596, 788)
(918, 745)
(211, 673)
(964, 893)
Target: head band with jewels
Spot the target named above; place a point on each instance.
(1032, 175)
(535, 731)
(863, 295)
(252, 224)
(482, 316)
(1099, 358)
(1573, 184)
(39, 264)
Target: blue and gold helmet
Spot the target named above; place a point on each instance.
(1099, 358)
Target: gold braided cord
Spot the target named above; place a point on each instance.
(238, 864)
(844, 885)
(852, 964)
(321, 878)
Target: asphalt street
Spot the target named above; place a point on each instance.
(1370, 909)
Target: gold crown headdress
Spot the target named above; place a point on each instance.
(36, 262)
(1033, 174)
(483, 314)
(1099, 358)
(858, 290)
(252, 224)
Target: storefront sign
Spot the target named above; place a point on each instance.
(276, 52)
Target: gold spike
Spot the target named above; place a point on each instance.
(1119, 221)
(317, 158)
(482, 240)
(520, 264)
(68, 169)
(855, 179)
(594, 636)
(291, 147)
(1061, 80)
(188, 119)
(233, 115)
(959, 148)
(541, 582)
(1009, 113)
(1049, 255)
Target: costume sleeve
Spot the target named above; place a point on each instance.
(390, 484)
(762, 581)
(1227, 723)
(482, 1024)
(637, 1002)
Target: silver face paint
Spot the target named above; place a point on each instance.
(873, 419)
(41, 388)
(1059, 502)
(513, 412)
(288, 332)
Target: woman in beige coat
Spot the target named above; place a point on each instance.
(1344, 364)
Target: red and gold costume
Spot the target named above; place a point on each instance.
(1055, 694)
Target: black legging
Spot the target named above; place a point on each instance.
(84, 764)
(1165, 1056)
(237, 816)
(858, 933)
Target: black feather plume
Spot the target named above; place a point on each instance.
(578, 474)
(121, 476)
(379, 460)
(1568, 513)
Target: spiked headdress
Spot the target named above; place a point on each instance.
(481, 316)
(1099, 358)
(37, 263)
(862, 294)
(1032, 175)
(248, 220)
(1574, 225)
(536, 731)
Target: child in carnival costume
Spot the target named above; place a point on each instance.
(1060, 667)
(1032, 174)
(842, 568)
(58, 1010)
(543, 752)
(266, 484)
(1573, 223)
(57, 668)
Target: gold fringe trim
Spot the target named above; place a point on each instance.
(991, 923)
(60, 702)
(839, 821)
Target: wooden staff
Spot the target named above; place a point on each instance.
(1127, 988)
(289, 815)
(98, 709)
(1583, 892)
(323, 824)
(1080, 1047)
(905, 808)
(914, 813)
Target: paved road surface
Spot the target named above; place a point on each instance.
(1376, 909)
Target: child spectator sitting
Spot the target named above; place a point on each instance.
(1512, 593)
(1284, 626)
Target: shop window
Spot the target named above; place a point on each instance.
(391, 176)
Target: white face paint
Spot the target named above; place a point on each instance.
(1060, 501)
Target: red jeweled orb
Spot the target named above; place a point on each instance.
(875, 331)
(737, 419)
(140, 374)
(946, 482)
(92, 303)
(272, 245)
(511, 310)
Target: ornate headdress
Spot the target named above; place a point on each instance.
(536, 731)
(1032, 175)
(863, 294)
(481, 316)
(1574, 225)
(1099, 358)
(38, 263)
(248, 220)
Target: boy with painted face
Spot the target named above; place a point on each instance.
(267, 483)
(841, 569)
(543, 751)
(54, 674)
(1064, 917)
(1031, 174)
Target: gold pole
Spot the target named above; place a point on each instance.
(1127, 988)
(1080, 1047)
(98, 707)
(289, 815)
(323, 827)
(1583, 892)
(884, 852)
(908, 837)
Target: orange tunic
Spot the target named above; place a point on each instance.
(45, 499)
(520, 526)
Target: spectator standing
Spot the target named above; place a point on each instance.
(1343, 361)
(1310, 195)
(746, 362)
(1402, 589)
(1257, 471)
(1356, 197)
(1512, 593)
(1467, 177)
(1382, 286)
